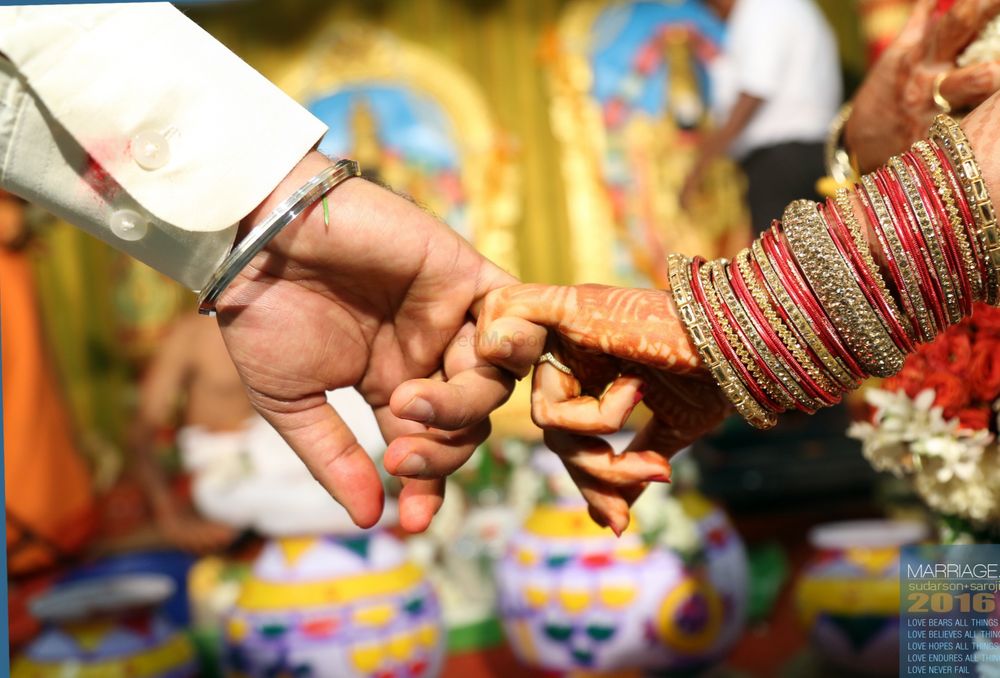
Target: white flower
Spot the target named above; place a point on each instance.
(956, 471)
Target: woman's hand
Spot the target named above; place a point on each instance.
(895, 104)
(623, 346)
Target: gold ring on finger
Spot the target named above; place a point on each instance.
(943, 104)
(549, 358)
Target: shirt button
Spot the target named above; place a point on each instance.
(129, 225)
(150, 150)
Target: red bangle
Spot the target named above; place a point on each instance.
(748, 345)
(942, 227)
(784, 263)
(968, 221)
(849, 251)
(720, 340)
(894, 182)
(900, 217)
(783, 313)
(894, 268)
(772, 340)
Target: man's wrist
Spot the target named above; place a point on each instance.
(309, 166)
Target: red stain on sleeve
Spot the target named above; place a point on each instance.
(95, 173)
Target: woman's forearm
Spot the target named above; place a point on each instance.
(840, 291)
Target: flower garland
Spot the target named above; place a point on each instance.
(935, 422)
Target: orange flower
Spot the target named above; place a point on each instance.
(985, 319)
(984, 370)
(951, 393)
(974, 418)
(951, 351)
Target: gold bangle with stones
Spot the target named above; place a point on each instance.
(834, 366)
(838, 291)
(934, 254)
(912, 297)
(846, 209)
(750, 365)
(950, 136)
(696, 324)
(793, 396)
(965, 248)
(785, 334)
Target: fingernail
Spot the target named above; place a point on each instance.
(418, 409)
(413, 465)
(659, 478)
(638, 397)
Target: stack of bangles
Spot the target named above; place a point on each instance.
(815, 306)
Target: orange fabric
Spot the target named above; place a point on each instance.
(47, 483)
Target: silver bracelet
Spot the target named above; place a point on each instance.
(266, 230)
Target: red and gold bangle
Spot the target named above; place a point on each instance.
(916, 250)
(904, 276)
(796, 319)
(912, 250)
(787, 391)
(950, 136)
(682, 274)
(775, 335)
(926, 163)
(941, 223)
(794, 283)
(934, 246)
(839, 292)
(736, 353)
(968, 220)
(857, 254)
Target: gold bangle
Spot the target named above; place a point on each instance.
(846, 210)
(834, 366)
(734, 341)
(910, 294)
(950, 136)
(838, 291)
(933, 254)
(784, 332)
(693, 317)
(792, 396)
(968, 250)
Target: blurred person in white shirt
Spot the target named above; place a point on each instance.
(776, 87)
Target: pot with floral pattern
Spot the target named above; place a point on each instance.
(335, 607)
(576, 599)
(848, 595)
(107, 628)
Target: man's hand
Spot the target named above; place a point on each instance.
(895, 105)
(383, 294)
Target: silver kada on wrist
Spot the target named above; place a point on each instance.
(266, 230)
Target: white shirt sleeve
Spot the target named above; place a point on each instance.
(133, 123)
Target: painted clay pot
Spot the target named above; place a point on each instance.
(848, 595)
(335, 607)
(575, 599)
(107, 628)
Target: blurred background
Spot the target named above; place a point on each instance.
(153, 531)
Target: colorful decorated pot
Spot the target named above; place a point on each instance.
(574, 598)
(107, 628)
(848, 595)
(335, 607)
